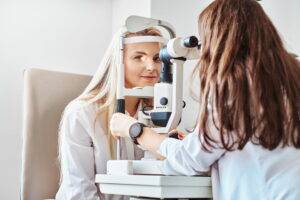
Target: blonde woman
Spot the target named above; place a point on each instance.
(85, 143)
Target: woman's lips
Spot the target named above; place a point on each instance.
(149, 77)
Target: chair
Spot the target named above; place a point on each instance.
(46, 94)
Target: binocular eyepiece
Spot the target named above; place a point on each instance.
(190, 42)
(177, 48)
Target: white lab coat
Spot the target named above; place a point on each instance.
(253, 173)
(85, 151)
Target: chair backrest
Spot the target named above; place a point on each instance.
(46, 94)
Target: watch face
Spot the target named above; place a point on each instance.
(135, 130)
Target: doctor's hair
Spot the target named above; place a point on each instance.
(249, 83)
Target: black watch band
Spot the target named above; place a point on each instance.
(135, 131)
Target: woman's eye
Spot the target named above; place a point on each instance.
(137, 57)
(156, 59)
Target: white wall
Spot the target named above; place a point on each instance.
(64, 35)
(71, 35)
(286, 17)
(121, 9)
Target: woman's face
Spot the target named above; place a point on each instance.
(142, 64)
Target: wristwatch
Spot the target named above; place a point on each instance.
(135, 131)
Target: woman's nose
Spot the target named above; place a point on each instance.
(151, 65)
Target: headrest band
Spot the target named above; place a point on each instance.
(141, 39)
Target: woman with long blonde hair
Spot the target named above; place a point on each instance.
(85, 143)
(249, 119)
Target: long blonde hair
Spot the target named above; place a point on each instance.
(102, 88)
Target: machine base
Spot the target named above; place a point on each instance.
(156, 186)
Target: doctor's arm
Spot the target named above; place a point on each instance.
(149, 140)
(186, 157)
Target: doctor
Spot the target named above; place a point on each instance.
(248, 130)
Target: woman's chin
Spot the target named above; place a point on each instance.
(148, 81)
(144, 84)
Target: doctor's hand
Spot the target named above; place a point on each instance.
(120, 124)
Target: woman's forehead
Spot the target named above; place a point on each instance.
(143, 47)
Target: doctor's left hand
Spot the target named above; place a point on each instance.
(120, 124)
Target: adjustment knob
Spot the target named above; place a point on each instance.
(163, 101)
